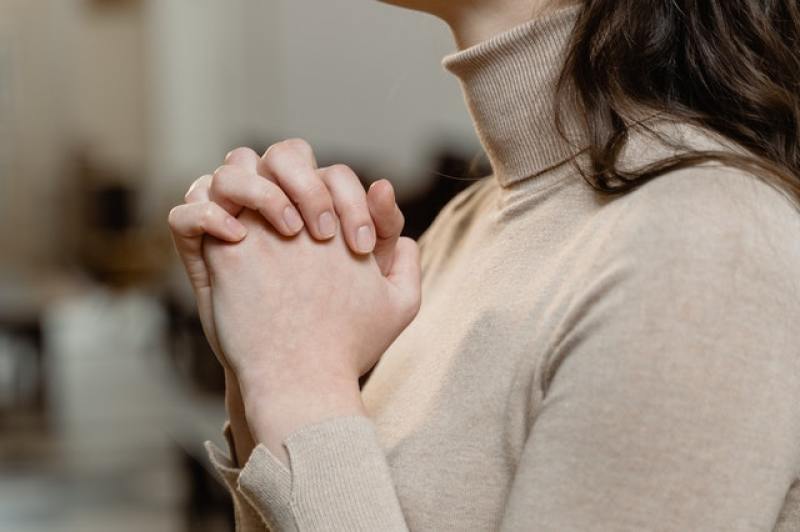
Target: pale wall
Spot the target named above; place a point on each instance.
(161, 89)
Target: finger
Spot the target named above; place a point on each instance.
(190, 221)
(406, 276)
(198, 191)
(292, 164)
(350, 202)
(246, 158)
(388, 219)
(235, 188)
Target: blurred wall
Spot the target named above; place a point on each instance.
(357, 78)
(364, 78)
(102, 67)
(159, 90)
(70, 77)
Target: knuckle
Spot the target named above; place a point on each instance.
(173, 215)
(288, 146)
(215, 187)
(218, 186)
(341, 171)
(312, 189)
(297, 144)
(223, 171)
(240, 152)
(356, 209)
(224, 180)
(206, 217)
(266, 194)
(196, 183)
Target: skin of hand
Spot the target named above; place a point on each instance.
(301, 320)
(201, 215)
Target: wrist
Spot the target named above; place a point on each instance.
(273, 411)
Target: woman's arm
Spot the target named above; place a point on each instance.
(247, 180)
(670, 401)
(238, 184)
(339, 479)
(299, 321)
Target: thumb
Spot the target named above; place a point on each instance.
(405, 275)
(388, 220)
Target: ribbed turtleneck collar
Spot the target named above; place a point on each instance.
(509, 85)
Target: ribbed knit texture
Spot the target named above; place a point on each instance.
(512, 104)
(580, 361)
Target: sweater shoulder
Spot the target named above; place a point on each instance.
(700, 259)
(702, 230)
(711, 202)
(705, 200)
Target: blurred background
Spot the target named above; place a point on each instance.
(109, 109)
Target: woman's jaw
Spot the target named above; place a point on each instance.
(473, 21)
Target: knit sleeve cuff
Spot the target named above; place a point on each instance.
(224, 464)
(248, 519)
(338, 479)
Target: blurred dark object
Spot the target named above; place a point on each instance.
(111, 243)
(25, 297)
(189, 350)
(112, 3)
(23, 391)
(208, 506)
(454, 171)
(112, 207)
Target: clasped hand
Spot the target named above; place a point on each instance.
(301, 279)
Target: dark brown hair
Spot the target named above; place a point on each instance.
(730, 66)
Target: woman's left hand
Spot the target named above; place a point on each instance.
(301, 320)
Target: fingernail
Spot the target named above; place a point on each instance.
(236, 227)
(365, 239)
(327, 224)
(292, 218)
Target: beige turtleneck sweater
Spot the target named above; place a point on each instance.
(580, 362)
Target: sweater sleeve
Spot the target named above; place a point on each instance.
(670, 399)
(338, 479)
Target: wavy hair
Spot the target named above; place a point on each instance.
(730, 66)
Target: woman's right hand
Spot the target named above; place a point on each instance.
(284, 180)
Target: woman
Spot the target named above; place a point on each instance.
(607, 338)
